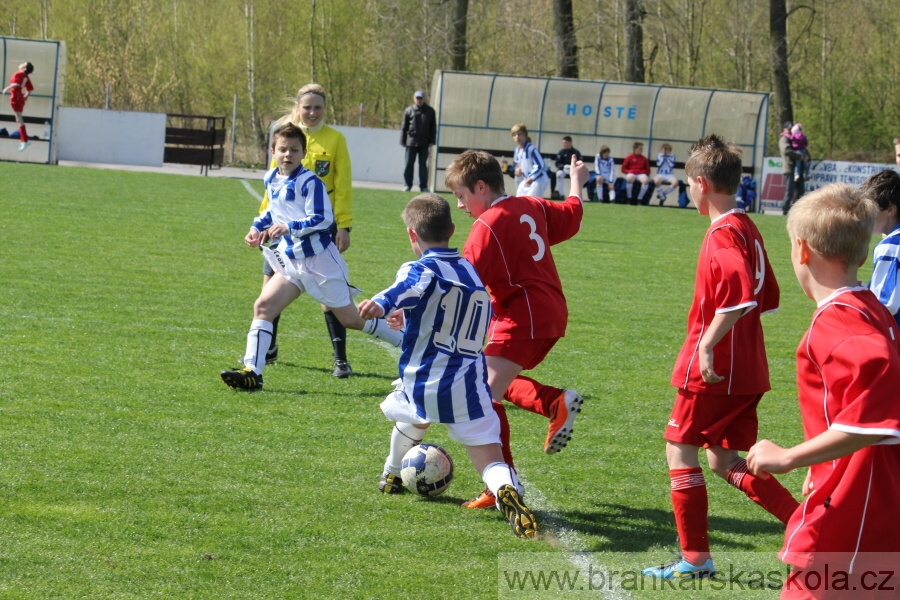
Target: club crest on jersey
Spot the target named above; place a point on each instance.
(323, 167)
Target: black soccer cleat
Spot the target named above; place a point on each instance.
(342, 369)
(390, 484)
(271, 355)
(520, 517)
(243, 379)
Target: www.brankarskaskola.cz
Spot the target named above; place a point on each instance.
(732, 579)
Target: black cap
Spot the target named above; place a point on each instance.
(788, 124)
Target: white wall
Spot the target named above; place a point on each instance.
(110, 136)
(376, 154)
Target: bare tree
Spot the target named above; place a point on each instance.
(250, 32)
(458, 43)
(564, 41)
(634, 41)
(778, 38)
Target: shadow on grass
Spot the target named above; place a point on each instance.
(620, 528)
(356, 374)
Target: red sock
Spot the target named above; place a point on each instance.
(768, 493)
(504, 433)
(532, 395)
(691, 505)
(23, 135)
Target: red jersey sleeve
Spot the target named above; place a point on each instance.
(873, 386)
(866, 372)
(563, 218)
(733, 281)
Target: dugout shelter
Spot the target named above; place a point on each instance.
(477, 110)
(42, 106)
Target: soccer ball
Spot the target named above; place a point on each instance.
(427, 470)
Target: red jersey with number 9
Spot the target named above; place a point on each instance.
(509, 245)
(733, 273)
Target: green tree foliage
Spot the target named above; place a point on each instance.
(195, 56)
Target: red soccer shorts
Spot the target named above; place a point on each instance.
(526, 353)
(705, 420)
(17, 104)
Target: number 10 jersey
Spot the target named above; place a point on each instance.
(447, 311)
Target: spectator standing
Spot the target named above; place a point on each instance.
(418, 135)
(800, 143)
(792, 189)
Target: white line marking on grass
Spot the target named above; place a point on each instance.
(566, 539)
(250, 189)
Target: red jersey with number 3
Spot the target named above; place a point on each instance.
(848, 377)
(509, 244)
(733, 273)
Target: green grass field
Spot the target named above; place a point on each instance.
(128, 470)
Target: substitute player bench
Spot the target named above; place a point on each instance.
(195, 140)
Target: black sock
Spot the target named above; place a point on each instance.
(338, 334)
(274, 332)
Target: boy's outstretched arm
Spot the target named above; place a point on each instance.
(766, 457)
(579, 174)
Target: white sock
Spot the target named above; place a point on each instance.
(403, 437)
(643, 190)
(498, 474)
(258, 340)
(612, 194)
(379, 329)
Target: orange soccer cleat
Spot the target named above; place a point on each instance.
(485, 499)
(565, 408)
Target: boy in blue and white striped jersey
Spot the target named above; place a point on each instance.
(299, 216)
(605, 169)
(665, 173)
(443, 373)
(884, 189)
(531, 177)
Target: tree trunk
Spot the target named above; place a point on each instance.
(458, 47)
(634, 41)
(782, 77)
(565, 44)
(250, 16)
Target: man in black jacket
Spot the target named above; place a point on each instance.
(418, 135)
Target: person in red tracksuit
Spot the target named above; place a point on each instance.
(19, 87)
